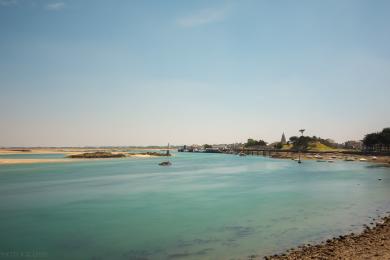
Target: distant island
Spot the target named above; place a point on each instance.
(95, 155)
(103, 154)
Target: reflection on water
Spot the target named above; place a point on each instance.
(205, 206)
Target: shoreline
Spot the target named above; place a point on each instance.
(331, 157)
(328, 157)
(372, 243)
(67, 152)
(13, 161)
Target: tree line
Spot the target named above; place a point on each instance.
(252, 142)
(302, 142)
(379, 141)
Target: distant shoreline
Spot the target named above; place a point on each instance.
(292, 155)
(68, 152)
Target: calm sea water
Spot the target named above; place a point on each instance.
(205, 206)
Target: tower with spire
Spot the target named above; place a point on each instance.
(283, 141)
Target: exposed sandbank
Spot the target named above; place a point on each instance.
(29, 161)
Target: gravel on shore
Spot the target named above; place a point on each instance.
(372, 243)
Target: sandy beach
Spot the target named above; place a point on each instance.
(29, 161)
(372, 243)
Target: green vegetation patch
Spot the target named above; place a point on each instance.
(97, 155)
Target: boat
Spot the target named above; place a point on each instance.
(242, 154)
(165, 163)
(321, 160)
(362, 159)
(330, 161)
(374, 158)
(349, 159)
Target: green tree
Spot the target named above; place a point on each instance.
(302, 142)
(253, 142)
(279, 145)
(293, 139)
(377, 141)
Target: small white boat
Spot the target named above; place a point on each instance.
(374, 158)
(362, 159)
(349, 159)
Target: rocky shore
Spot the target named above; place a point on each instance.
(372, 243)
(384, 159)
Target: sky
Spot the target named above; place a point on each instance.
(98, 72)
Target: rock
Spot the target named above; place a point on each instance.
(166, 163)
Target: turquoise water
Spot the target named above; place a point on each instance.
(205, 206)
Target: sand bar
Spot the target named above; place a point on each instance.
(29, 161)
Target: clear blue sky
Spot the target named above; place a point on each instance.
(97, 72)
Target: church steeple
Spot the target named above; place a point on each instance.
(283, 141)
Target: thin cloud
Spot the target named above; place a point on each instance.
(8, 2)
(55, 6)
(203, 17)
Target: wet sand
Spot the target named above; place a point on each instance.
(28, 161)
(372, 243)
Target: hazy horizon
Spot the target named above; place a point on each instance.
(128, 73)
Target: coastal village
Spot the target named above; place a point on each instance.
(283, 144)
(371, 148)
